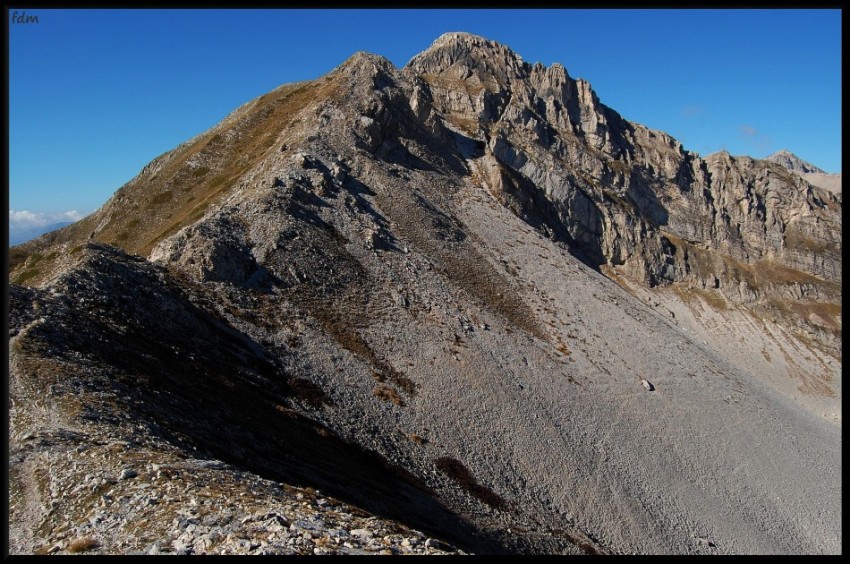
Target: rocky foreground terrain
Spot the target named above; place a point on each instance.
(457, 307)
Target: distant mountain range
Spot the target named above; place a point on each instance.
(23, 234)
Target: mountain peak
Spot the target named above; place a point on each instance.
(465, 40)
(460, 36)
(462, 55)
(792, 162)
(362, 58)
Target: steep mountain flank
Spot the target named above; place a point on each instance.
(463, 295)
(627, 196)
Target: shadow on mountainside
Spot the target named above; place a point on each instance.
(161, 363)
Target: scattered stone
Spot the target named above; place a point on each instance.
(363, 533)
(127, 473)
(706, 542)
(439, 545)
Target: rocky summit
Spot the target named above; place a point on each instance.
(456, 307)
(811, 173)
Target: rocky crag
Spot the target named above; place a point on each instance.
(812, 174)
(463, 295)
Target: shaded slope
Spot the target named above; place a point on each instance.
(186, 376)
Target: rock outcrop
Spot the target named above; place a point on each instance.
(622, 193)
(792, 162)
(809, 172)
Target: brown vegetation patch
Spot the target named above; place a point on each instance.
(816, 385)
(468, 125)
(562, 348)
(82, 544)
(689, 294)
(17, 256)
(758, 275)
(810, 384)
(25, 275)
(417, 439)
(455, 470)
(830, 313)
(388, 393)
(797, 239)
(347, 336)
(309, 392)
(29, 264)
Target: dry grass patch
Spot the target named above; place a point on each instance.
(455, 470)
(561, 347)
(346, 335)
(82, 544)
(711, 297)
(155, 205)
(388, 393)
(796, 238)
(417, 439)
(706, 263)
(308, 392)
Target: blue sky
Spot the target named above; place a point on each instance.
(96, 94)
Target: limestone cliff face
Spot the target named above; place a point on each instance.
(626, 194)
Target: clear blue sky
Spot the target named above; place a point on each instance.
(95, 95)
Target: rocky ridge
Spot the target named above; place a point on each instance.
(624, 194)
(106, 461)
(387, 284)
(120, 495)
